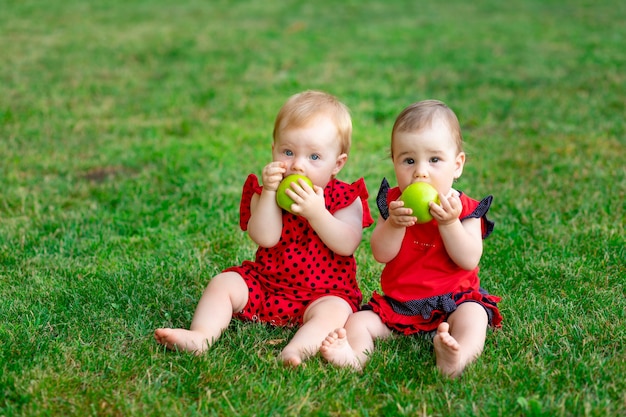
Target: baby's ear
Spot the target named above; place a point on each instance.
(459, 163)
(341, 161)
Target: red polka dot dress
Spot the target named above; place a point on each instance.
(283, 280)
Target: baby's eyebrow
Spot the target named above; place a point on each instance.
(405, 154)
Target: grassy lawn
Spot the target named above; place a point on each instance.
(127, 129)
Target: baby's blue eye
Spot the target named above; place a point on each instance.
(288, 152)
(315, 157)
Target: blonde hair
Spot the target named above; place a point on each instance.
(421, 114)
(302, 107)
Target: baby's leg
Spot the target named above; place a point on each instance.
(351, 346)
(322, 316)
(225, 294)
(462, 339)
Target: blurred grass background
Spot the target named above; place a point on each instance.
(128, 128)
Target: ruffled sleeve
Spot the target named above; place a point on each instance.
(250, 188)
(381, 199)
(480, 212)
(385, 195)
(340, 195)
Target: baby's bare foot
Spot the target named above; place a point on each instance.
(291, 357)
(448, 352)
(337, 350)
(182, 339)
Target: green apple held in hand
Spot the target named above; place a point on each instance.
(283, 200)
(416, 197)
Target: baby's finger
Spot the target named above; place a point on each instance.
(304, 186)
(293, 195)
(396, 204)
(443, 202)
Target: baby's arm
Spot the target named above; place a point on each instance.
(341, 232)
(463, 240)
(266, 224)
(388, 235)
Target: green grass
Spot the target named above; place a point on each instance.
(128, 128)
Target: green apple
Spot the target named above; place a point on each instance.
(417, 196)
(283, 200)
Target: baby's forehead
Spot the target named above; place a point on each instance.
(425, 141)
(309, 140)
(432, 135)
(307, 119)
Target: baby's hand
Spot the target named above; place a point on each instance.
(307, 201)
(400, 216)
(272, 175)
(448, 210)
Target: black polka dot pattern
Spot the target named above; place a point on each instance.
(285, 279)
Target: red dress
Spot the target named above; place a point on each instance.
(283, 280)
(422, 286)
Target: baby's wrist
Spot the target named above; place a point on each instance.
(448, 223)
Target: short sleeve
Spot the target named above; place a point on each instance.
(480, 212)
(385, 195)
(340, 195)
(381, 199)
(250, 188)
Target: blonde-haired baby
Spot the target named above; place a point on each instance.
(304, 272)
